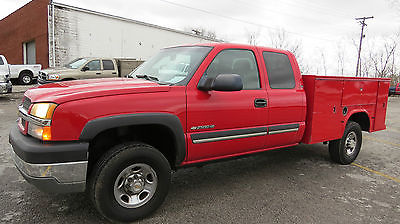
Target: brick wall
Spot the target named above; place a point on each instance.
(26, 24)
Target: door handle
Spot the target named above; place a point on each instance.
(260, 102)
(114, 73)
(98, 73)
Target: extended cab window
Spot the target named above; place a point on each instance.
(108, 65)
(1, 61)
(236, 61)
(94, 65)
(279, 70)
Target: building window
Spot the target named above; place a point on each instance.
(29, 52)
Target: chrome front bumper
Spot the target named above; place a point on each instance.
(55, 177)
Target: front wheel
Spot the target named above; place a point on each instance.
(130, 182)
(346, 149)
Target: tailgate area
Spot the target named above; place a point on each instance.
(332, 100)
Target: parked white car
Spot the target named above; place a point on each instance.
(25, 74)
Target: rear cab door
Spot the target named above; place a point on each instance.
(222, 124)
(286, 98)
(109, 68)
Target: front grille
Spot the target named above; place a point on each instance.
(26, 103)
(42, 75)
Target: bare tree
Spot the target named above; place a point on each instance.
(280, 39)
(253, 36)
(201, 31)
(323, 60)
(340, 58)
(382, 58)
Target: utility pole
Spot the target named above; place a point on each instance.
(363, 24)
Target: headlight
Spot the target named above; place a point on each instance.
(53, 77)
(43, 110)
(41, 128)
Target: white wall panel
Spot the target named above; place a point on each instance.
(81, 33)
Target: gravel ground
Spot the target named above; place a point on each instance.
(293, 185)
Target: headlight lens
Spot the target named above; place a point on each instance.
(53, 77)
(43, 110)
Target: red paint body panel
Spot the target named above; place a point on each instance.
(328, 96)
(227, 111)
(70, 117)
(314, 111)
(381, 106)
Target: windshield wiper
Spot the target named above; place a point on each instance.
(151, 78)
(148, 77)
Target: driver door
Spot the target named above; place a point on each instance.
(94, 70)
(221, 124)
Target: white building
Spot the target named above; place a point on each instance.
(53, 34)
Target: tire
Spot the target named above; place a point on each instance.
(345, 150)
(25, 78)
(122, 175)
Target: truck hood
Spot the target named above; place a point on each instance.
(61, 92)
(58, 70)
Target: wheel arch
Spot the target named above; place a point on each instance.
(362, 118)
(25, 70)
(165, 123)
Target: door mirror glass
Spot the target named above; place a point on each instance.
(223, 82)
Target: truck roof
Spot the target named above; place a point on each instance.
(234, 45)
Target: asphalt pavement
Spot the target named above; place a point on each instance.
(293, 185)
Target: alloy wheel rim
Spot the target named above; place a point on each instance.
(350, 143)
(26, 79)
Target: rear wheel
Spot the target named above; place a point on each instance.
(25, 78)
(130, 182)
(346, 149)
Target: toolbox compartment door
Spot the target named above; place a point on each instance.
(324, 120)
(359, 92)
(381, 105)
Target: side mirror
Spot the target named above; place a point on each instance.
(223, 82)
(84, 69)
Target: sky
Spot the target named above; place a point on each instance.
(323, 27)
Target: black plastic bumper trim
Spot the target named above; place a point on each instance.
(35, 151)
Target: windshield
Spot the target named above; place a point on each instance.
(76, 63)
(172, 65)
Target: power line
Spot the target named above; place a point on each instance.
(298, 15)
(239, 20)
(317, 8)
(363, 24)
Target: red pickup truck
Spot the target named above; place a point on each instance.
(395, 90)
(119, 139)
